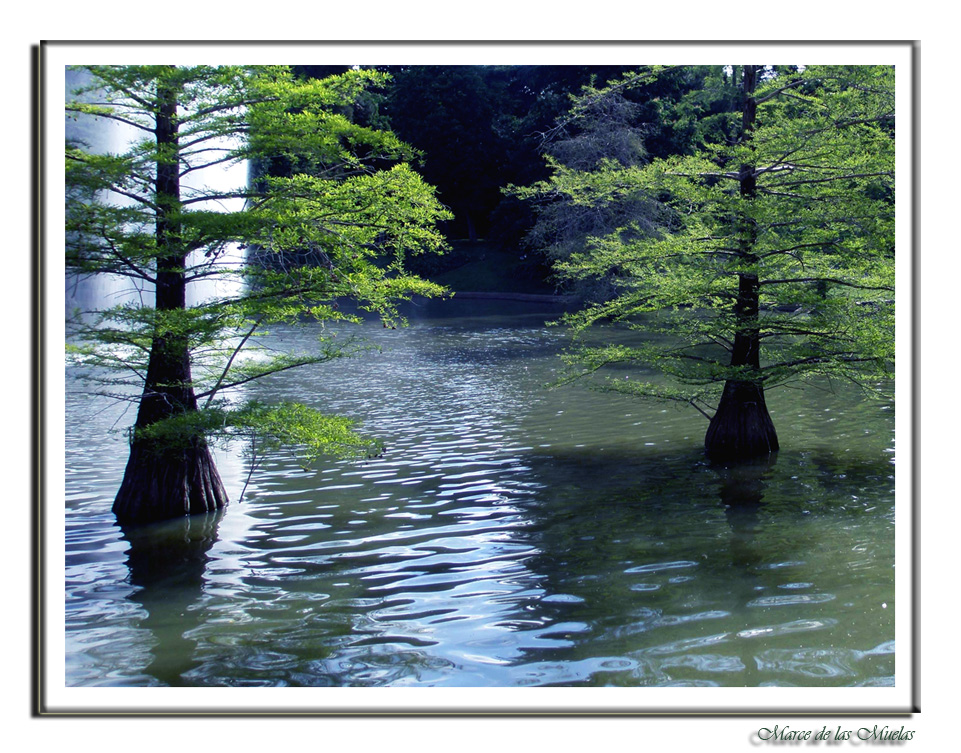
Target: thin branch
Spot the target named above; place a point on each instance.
(253, 466)
(832, 179)
(110, 116)
(262, 374)
(730, 176)
(220, 380)
(125, 261)
(586, 104)
(795, 248)
(239, 194)
(833, 280)
(773, 94)
(697, 407)
(229, 157)
(828, 357)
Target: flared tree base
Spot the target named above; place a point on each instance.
(741, 429)
(163, 484)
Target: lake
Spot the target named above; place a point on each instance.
(510, 535)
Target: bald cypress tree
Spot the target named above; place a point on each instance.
(337, 224)
(774, 258)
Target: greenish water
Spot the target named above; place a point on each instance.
(510, 536)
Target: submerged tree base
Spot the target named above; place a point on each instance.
(164, 484)
(741, 428)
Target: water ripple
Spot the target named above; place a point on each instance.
(508, 536)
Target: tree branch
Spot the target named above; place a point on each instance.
(110, 116)
(220, 380)
(833, 178)
(262, 374)
(833, 280)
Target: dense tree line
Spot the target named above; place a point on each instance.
(479, 129)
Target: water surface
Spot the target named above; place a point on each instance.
(510, 535)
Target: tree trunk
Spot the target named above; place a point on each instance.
(471, 228)
(162, 482)
(167, 479)
(742, 428)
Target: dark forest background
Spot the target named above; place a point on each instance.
(481, 129)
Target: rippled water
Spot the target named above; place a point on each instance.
(509, 536)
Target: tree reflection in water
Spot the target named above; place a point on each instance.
(167, 562)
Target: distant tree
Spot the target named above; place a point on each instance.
(348, 198)
(480, 127)
(773, 260)
(530, 100)
(644, 117)
(447, 113)
(603, 133)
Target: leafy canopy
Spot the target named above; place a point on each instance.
(817, 232)
(336, 223)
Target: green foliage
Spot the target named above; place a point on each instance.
(265, 428)
(592, 153)
(338, 226)
(816, 229)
